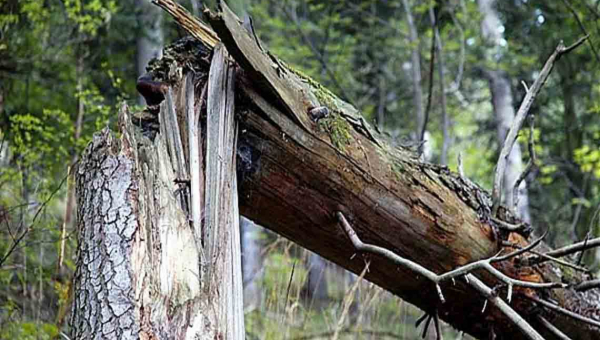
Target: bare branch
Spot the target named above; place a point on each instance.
(573, 248)
(532, 164)
(563, 311)
(522, 250)
(587, 285)
(552, 328)
(523, 325)
(549, 258)
(581, 26)
(437, 279)
(526, 104)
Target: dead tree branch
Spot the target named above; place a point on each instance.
(564, 311)
(531, 165)
(526, 104)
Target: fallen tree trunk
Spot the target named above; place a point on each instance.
(304, 155)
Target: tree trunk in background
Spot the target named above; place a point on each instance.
(150, 40)
(415, 67)
(251, 264)
(69, 207)
(439, 53)
(315, 289)
(502, 102)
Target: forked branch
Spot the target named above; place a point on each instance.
(461, 271)
(526, 104)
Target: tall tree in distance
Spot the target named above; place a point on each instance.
(502, 102)
(150, 39)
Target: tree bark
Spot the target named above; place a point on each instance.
(143, 271)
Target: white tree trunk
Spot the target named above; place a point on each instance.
(502, 102)
(251, 264)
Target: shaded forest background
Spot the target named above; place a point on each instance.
(451, 71)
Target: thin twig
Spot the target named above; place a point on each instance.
(523, 250)
(549, 258)
(348, 300)
(438, 326)
(532, 164)
(429, 94)
(560, 335)
(426, 327)
(437, 279)
(287, 291)
(37, 214)
(484, 290)
(587, 285)
(526, 104)
(581, 27)
(563, 311)
(317, 55)
(573, 248)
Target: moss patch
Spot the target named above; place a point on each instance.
(338, 130)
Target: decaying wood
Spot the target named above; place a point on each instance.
(137, 266)
(221, 229)
(143, 270)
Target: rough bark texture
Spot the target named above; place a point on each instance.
(137, 270)
(142, 271)
(294, 174)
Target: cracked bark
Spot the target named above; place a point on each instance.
(142, 271)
